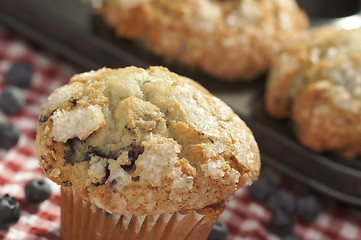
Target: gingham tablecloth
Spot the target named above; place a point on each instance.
(245, 218)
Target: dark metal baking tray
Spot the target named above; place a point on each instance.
(69, 28)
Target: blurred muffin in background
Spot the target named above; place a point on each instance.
(230, 39)
(316, 81)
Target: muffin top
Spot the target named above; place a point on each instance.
(135, 141)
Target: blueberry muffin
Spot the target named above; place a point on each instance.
(231, 39)
(316, 81)
(144, 143)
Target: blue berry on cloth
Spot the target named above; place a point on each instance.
(37, 191)
(12, 100)
(308, 208)
(281, 223)
(20, 74)
(262, 188)
(9, 135)
(283, 199)
(9, 211)
(219, 231)
(290, 237)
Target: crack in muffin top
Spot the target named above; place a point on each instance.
(142, 142)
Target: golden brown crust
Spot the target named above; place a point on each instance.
(232, 40)
(156, 142)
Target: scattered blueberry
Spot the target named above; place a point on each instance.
(290, 237)
(308, 208)
(262, 188)
(10, 211)
(20, 74)
(9, 135)
(12, 100)
(37, 191)
(281, 223)
(283, 199)
(219, 231)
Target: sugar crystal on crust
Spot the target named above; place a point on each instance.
(79, 123)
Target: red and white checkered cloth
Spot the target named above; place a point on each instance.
(245, 218)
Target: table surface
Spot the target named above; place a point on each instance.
(245, 218)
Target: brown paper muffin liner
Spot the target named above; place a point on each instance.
(82, 220)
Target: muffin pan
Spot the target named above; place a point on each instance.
(70, 28)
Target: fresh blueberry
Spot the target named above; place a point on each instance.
(290, 237)
(10, 211)
(283, 199)
(37, 191)
(262, 188)
(12, 100)
(9, 135)
(308, 208)
(219, 231)
(20, 74)
(281, 223)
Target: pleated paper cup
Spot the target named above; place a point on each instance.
(82, 220)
